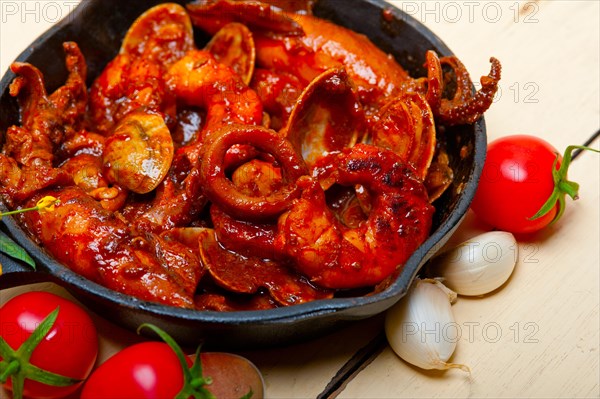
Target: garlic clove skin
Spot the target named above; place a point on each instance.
(452, 296)
(421, 329)
(479, 265)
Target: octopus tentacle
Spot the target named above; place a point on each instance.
(465, 107)
(435, 82)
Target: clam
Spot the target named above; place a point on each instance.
(327, 117)
(251, 275)
(233, 45)
(406, 126)
(439, 177)
(162, 34)
(138, 155)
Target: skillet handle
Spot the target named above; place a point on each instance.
(15, 273)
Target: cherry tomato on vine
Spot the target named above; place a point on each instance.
(153, 370)
(48, 345)
(523, 184)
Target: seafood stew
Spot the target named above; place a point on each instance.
(172, 235)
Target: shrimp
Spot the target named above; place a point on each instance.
(199, 80)
(126, 85)
(333, 255)
(97, 244)
(278, 92)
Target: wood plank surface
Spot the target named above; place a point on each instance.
(538, 335)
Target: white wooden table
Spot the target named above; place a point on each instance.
(538, 336)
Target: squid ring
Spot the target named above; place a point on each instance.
(220, 190)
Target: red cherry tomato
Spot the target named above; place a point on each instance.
(146, 370)
(152, 370)
(516, 181)
(68, 349)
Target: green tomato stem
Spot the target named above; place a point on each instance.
(12, 368)
(18, 385)
(200, 382)
(48, 378)
(16, 364)
(570, 188)
(194, 384)
(26, 349)
(562, 186)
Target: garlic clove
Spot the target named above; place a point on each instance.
(439, 282)
(479, 265)
(421, 329)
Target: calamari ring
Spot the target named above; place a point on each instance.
(219, 189)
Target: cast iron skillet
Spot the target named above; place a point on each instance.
(98, 26)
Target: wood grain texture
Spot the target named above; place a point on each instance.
(537, 336)
(549, 53)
